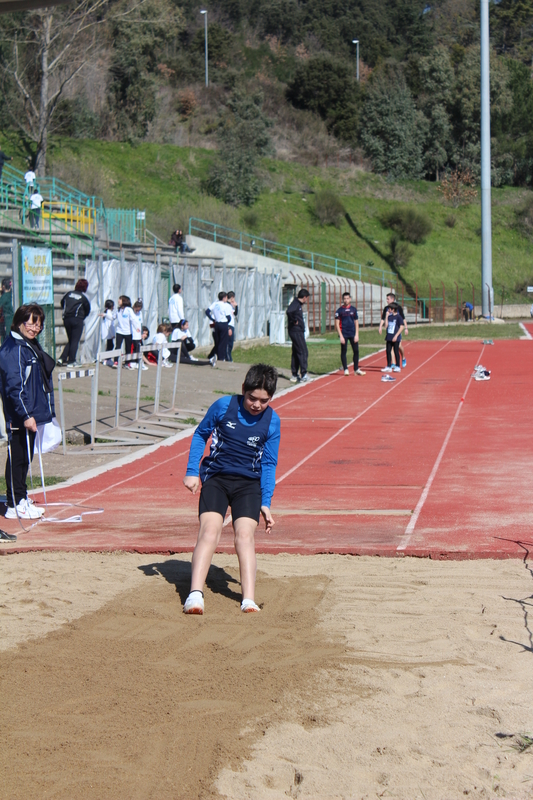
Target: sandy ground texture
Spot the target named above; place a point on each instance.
(361, 678)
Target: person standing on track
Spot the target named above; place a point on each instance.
(347, 326)
(395, 325)
(239, 472)
(296, 328)
(391, 298)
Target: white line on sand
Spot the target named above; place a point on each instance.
(423, 497)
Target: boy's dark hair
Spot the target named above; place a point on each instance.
(144, 329)
(391, 294)
(176, 288)
(109, 304)
(24, 313)
(303, 293)
(230, 295)
(222, 295)
(6, 284)
(126, 302)
(346, 294)
(81, 285)
(261, 376)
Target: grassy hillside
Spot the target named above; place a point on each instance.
(168, 182)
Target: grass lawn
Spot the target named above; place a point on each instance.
(324, 356)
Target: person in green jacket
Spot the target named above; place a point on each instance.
(6, 308)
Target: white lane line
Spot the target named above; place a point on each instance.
(423, 497)
(354, 419)
(526, 332)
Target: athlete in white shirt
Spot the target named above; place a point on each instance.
(175, 306)
(124, 324)
(220, 313)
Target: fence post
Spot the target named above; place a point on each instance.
(429, 315)
(490, 310)
(322, 307)
(416, 304)
(456, 301)
(473, 300)
(443, 303)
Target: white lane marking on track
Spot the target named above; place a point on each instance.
(136, 475)
(354, 419)
(423, 497)
(526, 332)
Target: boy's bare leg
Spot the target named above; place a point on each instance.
(208, 538)
(244, 529)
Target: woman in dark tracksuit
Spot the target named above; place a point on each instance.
(28, 399)
(75, 308)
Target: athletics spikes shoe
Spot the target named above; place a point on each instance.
(387, 369)
(359, 372)
(24, 510)
(194, 604)
(404, 363)
(346, 372)
(387, 378)
(249, 607)
(7, 537)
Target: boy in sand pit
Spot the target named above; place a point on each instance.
(239, 472)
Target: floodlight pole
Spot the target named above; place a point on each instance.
(204, 12)
(356, 43)
(487, 298)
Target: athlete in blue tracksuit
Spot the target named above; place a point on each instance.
(239, 472)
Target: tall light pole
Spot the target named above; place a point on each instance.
(356, 43)
(204, 12)
(487, 292)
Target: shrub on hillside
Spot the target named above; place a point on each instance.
(524, 218)
(409, 223)
(450, 221)
(328, 209)
(400, 252)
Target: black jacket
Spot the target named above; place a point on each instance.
(25, 388)
(296, 316)
(75, 304)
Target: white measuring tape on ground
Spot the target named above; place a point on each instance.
(73, 517)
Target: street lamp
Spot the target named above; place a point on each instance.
(356, 43)
(204, 12)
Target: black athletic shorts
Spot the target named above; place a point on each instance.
(242, 495)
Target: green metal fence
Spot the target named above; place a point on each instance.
(292, 255)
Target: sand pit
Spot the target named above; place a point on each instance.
(361, 678)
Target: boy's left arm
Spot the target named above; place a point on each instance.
(269, 463)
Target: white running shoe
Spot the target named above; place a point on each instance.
(305, 378)
(396, 369)
(294, 379)
(387, 369)
(26, 510)
(145, 366)
(212, 361)
(387, 378)
(249, 607)
(346, 371)
(167, 364)
(359, 372)
(194, 604)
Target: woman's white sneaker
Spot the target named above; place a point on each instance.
(25, 510)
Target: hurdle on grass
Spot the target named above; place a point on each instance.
(67, 376)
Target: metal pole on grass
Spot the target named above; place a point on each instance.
(62, 412)
(486, 231)
(204, 12)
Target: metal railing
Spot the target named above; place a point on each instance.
(292, 255)
(82, 212)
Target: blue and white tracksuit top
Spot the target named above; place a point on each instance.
(22, 387)
(242, 444)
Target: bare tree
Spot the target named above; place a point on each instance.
(47, 50)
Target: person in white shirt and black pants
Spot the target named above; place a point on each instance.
(175, 307)
(232, 302)
(220, 313)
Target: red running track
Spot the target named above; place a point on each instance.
(434, 464)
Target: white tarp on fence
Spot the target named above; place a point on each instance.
(258, 295)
